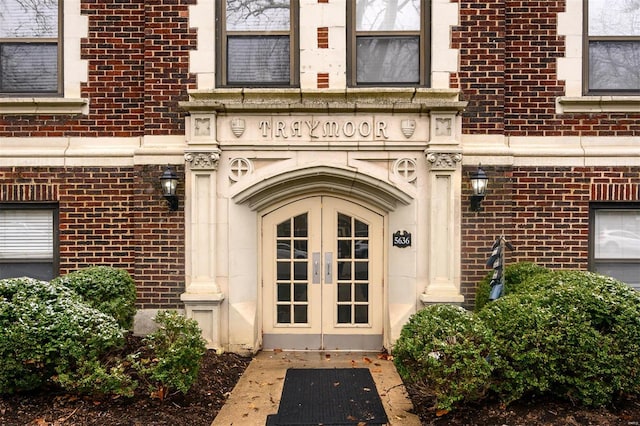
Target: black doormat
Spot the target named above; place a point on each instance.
(329, 396)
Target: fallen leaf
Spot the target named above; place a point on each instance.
(328, 356)
(336, 384)
(441, 413)
(367, 360)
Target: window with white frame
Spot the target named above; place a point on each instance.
(28, 241)
(30, 54)
(388, 42)
(615, 241)
(258, 43)
(612, 47)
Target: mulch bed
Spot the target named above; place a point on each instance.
(532, 412)
(217, 377)
(219, 374)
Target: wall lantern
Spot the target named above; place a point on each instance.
(169, 183)
(479, 182)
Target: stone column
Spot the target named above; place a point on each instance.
(443, 213)
(202, 296)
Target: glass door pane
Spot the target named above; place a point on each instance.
(292, 281)
(352, 301)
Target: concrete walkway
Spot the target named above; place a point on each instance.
(258, 391)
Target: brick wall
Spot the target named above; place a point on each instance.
(137, 53)
(111, 216)
(166, 64)
(480, 37)
(542, 211)
(508, 73)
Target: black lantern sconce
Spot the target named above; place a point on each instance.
(479, 182)
(169, 183)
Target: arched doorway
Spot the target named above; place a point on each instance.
(322, 263)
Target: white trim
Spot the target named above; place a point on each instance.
(597, 104)
(570, 66)
(569, 151)
(43, 106)
(80, 151)
(76, 26)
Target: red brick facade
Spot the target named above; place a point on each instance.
(110, 216)
(138, 71)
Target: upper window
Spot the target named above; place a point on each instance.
(30, 57)
(612, 46)
(615, 235)
(28, 241)
(388, 42)
(258, 43)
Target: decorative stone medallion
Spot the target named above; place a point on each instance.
(405, 169)
(238, 168)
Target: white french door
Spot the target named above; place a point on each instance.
(322, 269)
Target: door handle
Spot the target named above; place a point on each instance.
(315, 277)
(328, 273)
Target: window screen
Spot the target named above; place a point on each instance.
(27, 243)
(258, 43)
(612, 46)
(388, 42)
(29, 46)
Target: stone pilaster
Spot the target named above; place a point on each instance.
(444, 181)
(202, 296)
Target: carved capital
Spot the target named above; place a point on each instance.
(203, 160)
(444, 160)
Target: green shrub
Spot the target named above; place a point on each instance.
(110, 290)
(171, 358)
(445, 350)
(514, 275)
(46, 330)
(99, 378)
(572, 334)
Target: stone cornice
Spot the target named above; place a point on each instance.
(399, 100)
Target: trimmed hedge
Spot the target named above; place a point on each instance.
(445, 349)
(46, 330)
(572, 334)
(110, 290)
